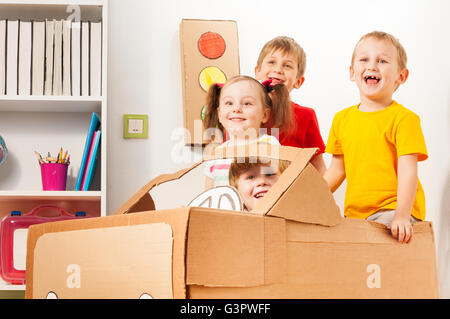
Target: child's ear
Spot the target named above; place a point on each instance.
(403, 76)
(266, 116)
(352, 73)
(299, 82)
(257, 75)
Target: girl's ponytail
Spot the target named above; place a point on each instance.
(211, 119)
(282, 116)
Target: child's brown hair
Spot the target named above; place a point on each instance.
(287, 45)
(241, 165)
(278, 102)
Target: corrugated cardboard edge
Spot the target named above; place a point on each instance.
(177, 218)
(233, 249)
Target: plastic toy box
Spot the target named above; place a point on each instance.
(15, 226)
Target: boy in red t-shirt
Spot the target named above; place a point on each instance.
(283, 60)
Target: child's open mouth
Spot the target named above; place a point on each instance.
(371, 79)
(276, 81)
(260, 194)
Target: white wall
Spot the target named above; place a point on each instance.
(145, 78)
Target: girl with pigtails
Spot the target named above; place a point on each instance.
(238, 109)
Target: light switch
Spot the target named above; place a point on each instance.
(135, 126)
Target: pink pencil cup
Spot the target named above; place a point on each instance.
(54, 176)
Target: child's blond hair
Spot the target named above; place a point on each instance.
(287, 45)
(383, 36)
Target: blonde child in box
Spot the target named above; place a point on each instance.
(253, 178)
(283, 60)
(377, 143)
(239, 108)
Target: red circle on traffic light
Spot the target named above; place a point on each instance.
(211, 45)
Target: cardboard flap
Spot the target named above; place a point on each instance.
(308, 199)
(142, 201)
(230, 249)
(300, 194)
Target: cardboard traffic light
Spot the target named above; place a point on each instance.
(209, 54)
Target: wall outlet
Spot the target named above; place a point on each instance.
(135, 126)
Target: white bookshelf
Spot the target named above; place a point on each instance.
(51, 104)
(50, 195)
(45, 123)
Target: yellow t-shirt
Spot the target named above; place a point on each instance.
(371, 143)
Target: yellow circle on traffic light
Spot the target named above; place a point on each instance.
(211, 75)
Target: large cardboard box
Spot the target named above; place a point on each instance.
(294, 244)
(209, 52)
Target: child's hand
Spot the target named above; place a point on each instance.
(401, 229)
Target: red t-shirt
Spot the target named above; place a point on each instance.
(305, 131)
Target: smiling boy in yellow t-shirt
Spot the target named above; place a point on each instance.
(376, 144)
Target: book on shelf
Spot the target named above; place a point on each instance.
(96, 59)
(66, 53)
(2, 57)
(89, 159)
(93, 127)
(76, 58)
(37, 74)
(91, 162)
(84, 58)
(49, 36)
(24, 74)
(12, 47)
(57, 59)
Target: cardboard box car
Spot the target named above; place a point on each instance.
(294, 244)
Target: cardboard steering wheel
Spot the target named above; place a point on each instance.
(221, 197)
